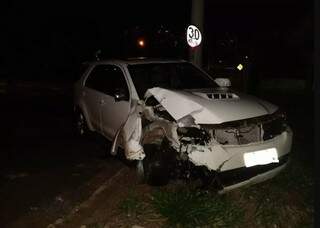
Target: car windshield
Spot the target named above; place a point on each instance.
(168, 75)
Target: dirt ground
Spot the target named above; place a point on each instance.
(101, 209)
(121, 202)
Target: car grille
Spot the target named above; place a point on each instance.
(247, 131)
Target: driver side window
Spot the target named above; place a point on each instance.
(107, 79)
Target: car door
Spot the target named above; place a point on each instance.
(115, 105)
(92, 95)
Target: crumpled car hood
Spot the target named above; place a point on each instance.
(180, 103)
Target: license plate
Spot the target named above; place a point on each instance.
(261, 157)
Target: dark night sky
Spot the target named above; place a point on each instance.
(56, 34)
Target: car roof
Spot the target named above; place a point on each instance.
(138, 60)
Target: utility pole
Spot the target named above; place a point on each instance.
(197, 15)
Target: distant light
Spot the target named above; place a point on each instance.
(246, 57)
(240, 67)
(141, 43)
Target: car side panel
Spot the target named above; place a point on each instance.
(113, 115)
(91, 102)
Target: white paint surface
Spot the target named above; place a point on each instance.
(180, 103)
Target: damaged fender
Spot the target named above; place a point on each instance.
(131, 133)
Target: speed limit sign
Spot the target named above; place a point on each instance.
(193, 36)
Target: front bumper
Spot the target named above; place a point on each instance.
(233, 173)
(282, 143)
(248, 176)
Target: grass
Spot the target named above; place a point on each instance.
(95, 225)
(185, 208)
(284, 201)
(132, 205)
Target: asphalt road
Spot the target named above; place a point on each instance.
(43, 164)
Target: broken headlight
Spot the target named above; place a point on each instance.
(281, 116)
(275, 126)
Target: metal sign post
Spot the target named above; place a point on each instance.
(197, 11)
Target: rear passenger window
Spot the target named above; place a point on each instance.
(107, 79)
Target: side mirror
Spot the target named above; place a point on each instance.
(223, 82)
(120, 95)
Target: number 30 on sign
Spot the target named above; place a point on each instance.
(193, 36)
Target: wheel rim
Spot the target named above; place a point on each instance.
(81, 124)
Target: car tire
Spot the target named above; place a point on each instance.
(154, 169)
(80, 124)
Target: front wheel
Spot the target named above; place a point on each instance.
(153, 169)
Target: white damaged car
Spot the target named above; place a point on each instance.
(176, 121)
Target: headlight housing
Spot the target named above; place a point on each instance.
(281, 116)
(275, 125)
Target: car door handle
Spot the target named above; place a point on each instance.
(101, 102)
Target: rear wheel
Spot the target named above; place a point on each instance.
(81, 127)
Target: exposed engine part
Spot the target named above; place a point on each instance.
(158, 109)
(193, 135)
